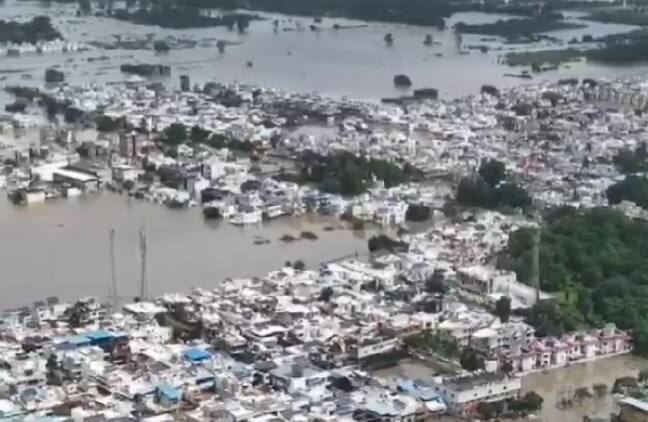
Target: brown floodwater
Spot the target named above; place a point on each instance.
(557, 384)
(61, 247)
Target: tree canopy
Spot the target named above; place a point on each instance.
(597, 261)
(489, 188)
(632, 188)
(492, 172)
(346, 174)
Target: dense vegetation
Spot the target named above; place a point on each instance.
(419, 12)
(344, 173)
(489, 189)
(543, 57)
(630, 16)
(632, 188)
(596, 260)
(38, 29)
(629, 161)
(621, 52)
(514, 28)
(181, 18)
(177, 133)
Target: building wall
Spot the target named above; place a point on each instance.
(461, 401)
(377, 348)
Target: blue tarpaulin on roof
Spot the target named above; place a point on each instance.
(169, 392)
(196, 354)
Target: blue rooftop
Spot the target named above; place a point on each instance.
(98, 335)
(169, 392)
(76, 341)
(196, 354)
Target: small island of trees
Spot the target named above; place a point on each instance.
(38, 29)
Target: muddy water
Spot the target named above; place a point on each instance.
(61, 247)
(354, 62)
(556, 384)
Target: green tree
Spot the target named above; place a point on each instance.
(435, 283)
(299, 265)
(503, 308)
(470, 360)
(161, 46)
(175, 134)
(492, 172)
(326, 294)
(632, 188)
(512, 195)
(475, 192)
(625, 385)
(199, 135)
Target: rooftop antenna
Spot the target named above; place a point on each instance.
(113, 272)
(144, 288)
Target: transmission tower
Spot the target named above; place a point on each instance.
(113, 271)
(144, 288)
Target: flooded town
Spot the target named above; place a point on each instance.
(257, 211)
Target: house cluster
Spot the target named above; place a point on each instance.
(527, 355)
(557, 140)
(276, 348)
(293, 345)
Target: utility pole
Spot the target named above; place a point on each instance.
(113, 271)
(535, 263)
(144, 289)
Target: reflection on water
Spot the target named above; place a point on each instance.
(61, 248)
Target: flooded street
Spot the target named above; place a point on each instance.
(61, 247)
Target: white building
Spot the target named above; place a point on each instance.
(462, 394)
(297, 377)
